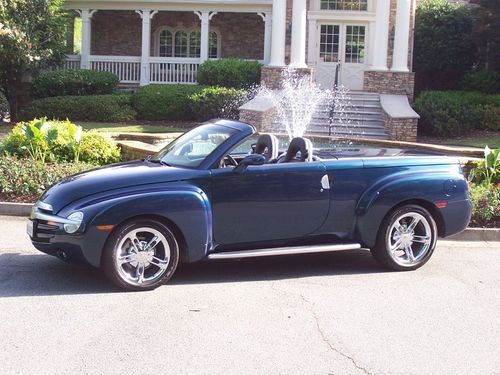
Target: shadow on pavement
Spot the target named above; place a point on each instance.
(39, 275)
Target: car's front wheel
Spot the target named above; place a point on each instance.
(141, 255)
(406, 239)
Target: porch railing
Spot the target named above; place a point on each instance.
(127, 68)
(163, 70)
(72, 62)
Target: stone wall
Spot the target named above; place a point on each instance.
(401, 129)
(272, 75)
(390, 83)
(119, 33)
(261, 120)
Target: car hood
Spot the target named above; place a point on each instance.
(117, 176)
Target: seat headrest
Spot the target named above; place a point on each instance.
(302, 145)
(267, 145)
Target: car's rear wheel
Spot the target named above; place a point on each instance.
(406, 239)
(141, 255)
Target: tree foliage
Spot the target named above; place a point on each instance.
(32, 36)
(443, 42)
(487, 34)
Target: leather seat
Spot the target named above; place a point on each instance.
(299, 144)
(268, 146)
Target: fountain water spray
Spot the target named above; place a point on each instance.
(298, 100)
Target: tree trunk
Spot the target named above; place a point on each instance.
(12, 85)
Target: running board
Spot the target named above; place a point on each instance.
(284, 251)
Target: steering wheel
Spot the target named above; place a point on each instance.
(228, 161)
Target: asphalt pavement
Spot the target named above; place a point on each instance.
(337, 313)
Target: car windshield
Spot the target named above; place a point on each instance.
(190, 149)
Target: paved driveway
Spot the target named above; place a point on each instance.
(334, 313)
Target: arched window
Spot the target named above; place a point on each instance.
(213, 45)
(194, 44)
(181, 44)
(186, 43)
(166, 44)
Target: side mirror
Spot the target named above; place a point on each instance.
(254, 159)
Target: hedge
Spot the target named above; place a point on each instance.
(114, 108)
(235, 73)
(484, 81)
(74, 82)
(452, 113)
(161, 102)
(217, 102)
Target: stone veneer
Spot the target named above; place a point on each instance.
(272, 75)
(401, 129)
(262, 120)
(386, 82)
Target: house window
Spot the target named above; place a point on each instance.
(186, 43)
(355, 44)
(213, 45)
(166, 44)
(181, 44)
(344, 4)
(329, 43)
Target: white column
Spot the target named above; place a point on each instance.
(268, 24)
(86, 16)
(299, 22)
(381, 35)
(401, 37)
(146, 16)
(278, 33)
(205, 17)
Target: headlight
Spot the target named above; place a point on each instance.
(77, 217)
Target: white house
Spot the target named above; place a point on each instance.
(367, 44)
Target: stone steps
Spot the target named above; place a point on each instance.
(361, 118)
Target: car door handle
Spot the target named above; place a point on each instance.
(325, 183)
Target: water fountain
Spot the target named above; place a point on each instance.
(299, 99)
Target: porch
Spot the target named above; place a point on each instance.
(167, 46)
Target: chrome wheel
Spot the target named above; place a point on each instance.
(406, 238)
(409, 238)
(142, 256)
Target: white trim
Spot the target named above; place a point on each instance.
(342, 16)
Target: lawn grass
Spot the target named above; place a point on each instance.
(491, 142)
(128, 128)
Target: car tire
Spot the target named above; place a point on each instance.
(140, 255)
(406, 239)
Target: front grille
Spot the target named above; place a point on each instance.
(43, 231)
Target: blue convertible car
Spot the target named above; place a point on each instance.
(222, 191)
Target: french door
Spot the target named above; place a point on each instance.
(341, 55)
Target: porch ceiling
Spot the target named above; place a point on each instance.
(174, 5)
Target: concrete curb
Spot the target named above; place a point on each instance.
(470, 234)
(15, 209)
(477, 234)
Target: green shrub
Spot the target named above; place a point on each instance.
(25, 179)
(59, 141)
(217, 102)
(484, 81)
(4, 106)
(112, 108)
(97, 149)
(452, 113)
(235, 73)
(164, 102)
(491, 118)
(485, 206)
(74, 82)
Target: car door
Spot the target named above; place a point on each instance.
(268, 202)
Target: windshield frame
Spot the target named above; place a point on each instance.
(235, 135)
